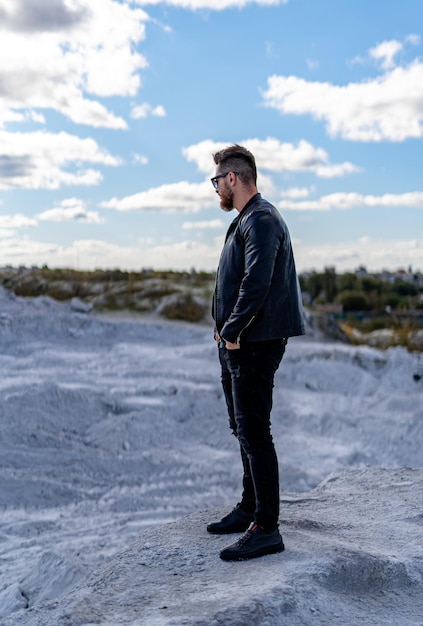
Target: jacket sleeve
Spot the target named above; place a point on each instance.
(262, 239)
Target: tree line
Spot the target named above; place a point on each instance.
(361, 292)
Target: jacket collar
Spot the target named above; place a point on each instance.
(251, 201)
(247, 207)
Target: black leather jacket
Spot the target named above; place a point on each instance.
(257, 295)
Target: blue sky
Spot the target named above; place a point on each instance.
(110, 112)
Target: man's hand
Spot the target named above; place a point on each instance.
(232, 346)
(228, 344)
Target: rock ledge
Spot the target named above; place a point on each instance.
(354, 556)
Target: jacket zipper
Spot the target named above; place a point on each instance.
(238, 339)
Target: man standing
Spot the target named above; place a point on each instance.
(256, 307)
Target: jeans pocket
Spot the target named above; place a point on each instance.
(235, 361)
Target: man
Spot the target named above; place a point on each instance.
(256, 307)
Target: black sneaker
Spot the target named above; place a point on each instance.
(255, 542)
(237, 521)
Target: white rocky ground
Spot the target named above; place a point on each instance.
(115, 452)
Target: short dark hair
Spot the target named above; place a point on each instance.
(238, 159)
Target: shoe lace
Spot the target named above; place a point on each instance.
(250, 531)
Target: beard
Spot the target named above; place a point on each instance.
(226, 200)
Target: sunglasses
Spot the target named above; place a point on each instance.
(215, 179)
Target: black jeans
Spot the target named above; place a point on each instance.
(247, 380)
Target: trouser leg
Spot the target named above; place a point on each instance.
(248, 498)
(252, 370)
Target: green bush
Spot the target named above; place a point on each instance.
(353, 301)
(183, 307)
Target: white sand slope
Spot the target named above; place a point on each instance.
(354, 556)
(113, 431)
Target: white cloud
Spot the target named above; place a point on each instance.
(312, 64)
(344, 201)
(414, 39)
(335, 171)
(185, 255)
(23, 251)
(141, 111)
(159, 111)
(94, 253)
(45, 160)
(273, 155)
(141, 159)
(16, 221)
(210, 224)
(71, 210)
(57, 53)
(36, 17)
(180, 197)
(271, 50)
(385, 53)
(6, 233)
(202, 155)
(266, 185)
(214, 5)
(373, 254)
(294, 193)
(38, 118)
(389, 107)
(144, 110)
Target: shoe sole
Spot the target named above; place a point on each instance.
(244, 557)
(226, 531)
